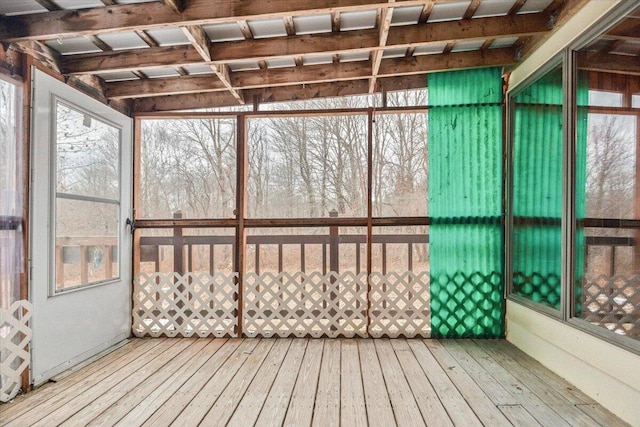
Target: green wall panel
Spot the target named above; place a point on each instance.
(465, 203)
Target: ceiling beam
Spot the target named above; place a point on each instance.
(144, 16)
(445, 62)
(202, 44)
(185, 102)
(609, 63)
(312, 74)
(48, 4)
(376, 55)
(254, 50)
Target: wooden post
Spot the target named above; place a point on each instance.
(334, 245)
(636, 202)
(241, 213)
(178, 246)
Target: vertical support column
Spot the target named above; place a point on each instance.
(178, 246)
(137, 192)
(25, 160)
(636, 201)
(369, 209)
(241, 213)
(334, 244)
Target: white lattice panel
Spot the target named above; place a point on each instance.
(185, 305)
(15, 335)
(399, 305)
(302, 304)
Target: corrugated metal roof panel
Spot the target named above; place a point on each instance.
(493, 8)
(118, 76)
(171, 36)
(73, 45)
(466, 45)
(78, 4)
(407, 15)
(396, 52)
(360, 55)
(429, 49)
(244, 66)
(263, 28)
(359, 20)
(312, 24)
(20, 7)
(154, 73)
(503, 42)
(280, 62)
(123, 40)
(532, 6)
(198, 69)
(448, 11)
(226, 32)
(317, 59)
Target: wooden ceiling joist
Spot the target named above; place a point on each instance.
(314, 74)
(254, 50)
(376, 56)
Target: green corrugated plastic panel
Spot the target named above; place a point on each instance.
(544, 91)
(537, 191)
(476, 86)
(465, 203)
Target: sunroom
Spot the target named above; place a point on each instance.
(340, 212)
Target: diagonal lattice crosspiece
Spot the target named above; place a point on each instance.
(15, 335)
(613, 302)
(399, 305)
(305, 304)
(185, 305)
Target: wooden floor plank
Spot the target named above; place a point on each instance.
(25, 403)
(139, 385)
(432, 409)
(379, 410)
(405, 408)
(601, 415)
(457, 407)
(327, 401)
(193, 413)
(350, 382)
(525, 397)
(106, 392)
(300, 410)
(162, 381)
(480, 374)
(570, 392)
(40, 410)
(553, 399)
(481, 404)
(223, 408)
(275, 406)
(251, 403)
(352, 411)
(518, 416)
(165, 409)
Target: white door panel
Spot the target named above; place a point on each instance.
(80, 246)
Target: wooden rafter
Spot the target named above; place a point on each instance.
(48, 4)
(313, 74)
(144, 16)
(277, 94)
(376, 56)
(254, 50)
(202, 44)
(471, 10)
(516, 7)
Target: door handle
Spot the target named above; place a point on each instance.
(130, 223)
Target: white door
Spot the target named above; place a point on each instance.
(80, 282)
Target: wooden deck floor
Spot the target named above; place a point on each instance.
(300, 382)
